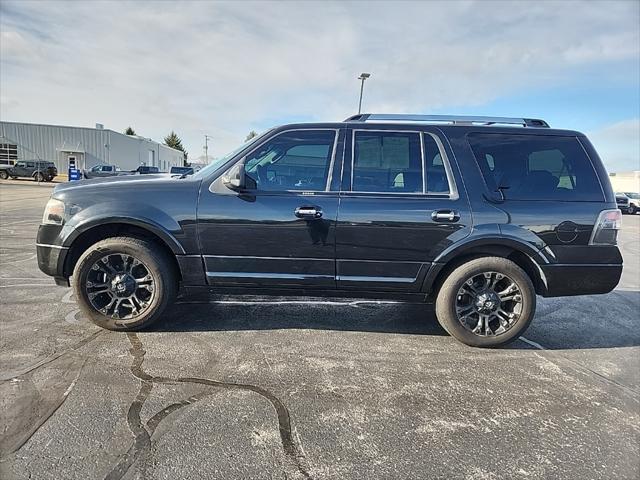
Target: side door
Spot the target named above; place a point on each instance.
(19, 169)
(29, 169)
(279, 231)
(401, 204)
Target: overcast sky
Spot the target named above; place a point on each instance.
(226, 68)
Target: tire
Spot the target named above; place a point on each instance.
(150, 303)
(38, 177)
(456, 294)
(4, 175)
(632, 210)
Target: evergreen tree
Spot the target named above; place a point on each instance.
(251, 134)
(173, 140)
(129, 131)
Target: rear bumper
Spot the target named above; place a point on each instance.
(580, 279)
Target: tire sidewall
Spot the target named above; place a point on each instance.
(143, 251)
(446, 301)
(4, 175)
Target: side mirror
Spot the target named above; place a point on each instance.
(234, 178)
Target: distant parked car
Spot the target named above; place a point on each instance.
(39, 170)
(100, 171)
(623, 202)
(143, 170)
(181, 171)
(634, 202)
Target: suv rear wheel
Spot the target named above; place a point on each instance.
(124, 283)
(39, 177)
(486, 302)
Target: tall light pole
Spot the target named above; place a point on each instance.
(206, 148)
(363, 77)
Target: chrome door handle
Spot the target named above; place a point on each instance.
(445, 216)
(308, 212)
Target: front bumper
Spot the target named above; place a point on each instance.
(51, 260)
(51, 256)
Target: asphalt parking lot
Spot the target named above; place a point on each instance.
(237, 388)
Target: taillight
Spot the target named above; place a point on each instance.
(605, 231)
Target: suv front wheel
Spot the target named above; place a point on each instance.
(124, 283)
(486, 302)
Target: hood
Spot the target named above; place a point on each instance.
(104, 182)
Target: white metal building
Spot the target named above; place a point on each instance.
(87, 146)
(625, 181)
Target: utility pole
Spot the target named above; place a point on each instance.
(363, 77)
(206, 148)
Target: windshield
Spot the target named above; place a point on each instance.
(635, 196)
(218, 162)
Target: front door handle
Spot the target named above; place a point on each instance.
(445, 216)
(308, 213)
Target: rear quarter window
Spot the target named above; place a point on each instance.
(536, 167)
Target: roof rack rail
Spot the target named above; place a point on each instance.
(452, 119)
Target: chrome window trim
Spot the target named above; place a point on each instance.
(453, 189)
(336, 132)
(453, 192)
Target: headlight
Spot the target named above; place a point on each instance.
(53, 212)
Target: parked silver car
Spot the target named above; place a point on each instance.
(103, 171)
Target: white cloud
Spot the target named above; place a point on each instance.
(226, 68)
(618, 145)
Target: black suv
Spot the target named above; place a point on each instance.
(476, 214)
(39, 170)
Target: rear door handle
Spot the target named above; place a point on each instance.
(445, 216)
(308, 212)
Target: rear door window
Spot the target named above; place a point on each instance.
(536, 167)
(436, 173)
(387, 162)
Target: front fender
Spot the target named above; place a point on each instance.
(143, 215)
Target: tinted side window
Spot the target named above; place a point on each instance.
(536, 167)
(436, 174)
(30, 164)
(297, 160)
(387, 162)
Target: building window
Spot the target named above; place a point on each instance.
(8, 153)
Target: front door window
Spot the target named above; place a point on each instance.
(292, 161)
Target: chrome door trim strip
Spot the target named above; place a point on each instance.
(355, 278)
(259, 275)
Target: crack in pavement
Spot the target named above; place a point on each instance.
(141, 445)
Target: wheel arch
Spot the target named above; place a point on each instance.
(94, 233)
(522, 255)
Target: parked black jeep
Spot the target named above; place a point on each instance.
(475, 214)
(39, 170)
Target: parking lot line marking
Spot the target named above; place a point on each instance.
(23, 285)
(532, 343)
